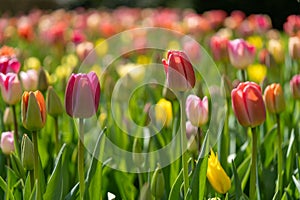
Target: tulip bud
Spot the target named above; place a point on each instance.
(179, 71)
(216, 175)
(219, 47)
(137, 157)
(27, 153)
(43, 80)
(295, 86)
(7, 142)
(145, 193)
(197, 110)
(241, 53)
(8, 117)
(10, 88)
(248, 104)
(294, 47)
(33, 110)
(82, 95)
(163, 112)
(54, 105)
(274, 98)
(158, 183)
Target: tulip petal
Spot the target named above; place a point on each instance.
(95, 88)
(69, 95)
(255, 105)
(239, 107)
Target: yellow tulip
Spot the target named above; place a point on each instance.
(163, 112)
(257, 72)
(216, 174)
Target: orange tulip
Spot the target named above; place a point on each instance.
(274, 98)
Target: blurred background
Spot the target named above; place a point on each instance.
(278, 10)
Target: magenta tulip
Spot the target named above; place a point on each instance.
(9, 65)
(82, 95)
(179, 71)
(248, 104)
(295, 86)
(241, 54)
(10, 88)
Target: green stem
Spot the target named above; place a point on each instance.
(35, 155)
(57, 145)
(224, 142)
(279, 169)
(140, 178)
(81, 158)
(252, 193)
(16, 135)
(184, 145)
(243, 75)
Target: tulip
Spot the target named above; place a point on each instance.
(275, 47)
(179, 71)
(241, 53)
(158, 183)
(9, 65)
(82, 95)
(42, 80)
(29, 79)
(27, 152)
(216, 175)
(10, 88)
(248, 104)
(7, 142)
(197, 110)
(219, 47)
(54, 105)
(295, 86)
(163, 112)
(294, 47)
(274, 98)
(33, 110)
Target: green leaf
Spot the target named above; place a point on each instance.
(17, 166)
(297, 183)
(73, 194)
(27, 188)
(290, 159)
(4, 187)
(55, 184)
(128, 190)
(198, 184)
(175, 189)
(33, 195)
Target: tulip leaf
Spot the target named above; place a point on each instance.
(5, 188)
(17, 166)
(238, 187)
(175, 189)
(94, 174)
(33, 195)
(55, 184)
(27, 188)
(198, 183)
(290, 159)
(74, 193)
(297, 183)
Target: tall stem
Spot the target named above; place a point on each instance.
(224, 142)
(35, 155)
(183, 145)
(253, 165)
(279, 169)
(81, 158)
(57, 145)
(16, 135)
(243, 75)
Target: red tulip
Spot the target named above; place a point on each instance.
(179, 71)
(248, 104)
(295, 86)
(241, 54)
(82, 95)
(218, 47)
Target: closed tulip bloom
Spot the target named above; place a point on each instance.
(294, 47)
(33, 110)
(10, 88)
(197, 110)
(29, 79)
(295, 86)
(9, 64)
(54, 105)
(248, 104)
(241, 53)
(179, 71)
(219, 47)
(274, 98)
(7, 142)
(82, 95)
(216, 175)
(163, 112)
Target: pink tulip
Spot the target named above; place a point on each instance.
(197, 110)
(10, 88)
(179, 71)
(294, 47)
(82, 95)
(241, 54)
(7, 142)
(8, 64)
(248, 104)
(219, 48)
(29, 79)
(295, 86)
